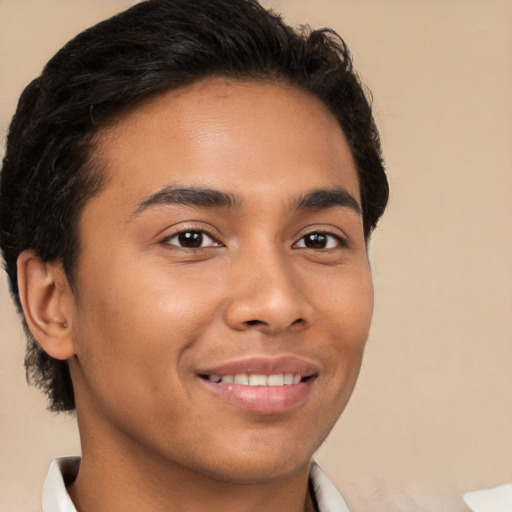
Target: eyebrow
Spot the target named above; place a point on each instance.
(324, 199)
(316, 200)
(189, 196)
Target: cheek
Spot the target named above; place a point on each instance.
(139, 323)
(346, 311)
(356, 304)
(135, 331)
(345, 302)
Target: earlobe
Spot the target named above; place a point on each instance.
(47, 300)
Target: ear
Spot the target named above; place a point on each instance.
(47, 302)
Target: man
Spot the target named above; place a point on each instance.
(186, 199)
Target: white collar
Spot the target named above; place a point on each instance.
(327, 496)
(56, 497)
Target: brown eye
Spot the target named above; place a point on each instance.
(192, 240)
(319, 241)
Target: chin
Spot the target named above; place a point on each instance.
(247, 472)
(259, 463)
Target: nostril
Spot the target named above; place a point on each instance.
(253, 322)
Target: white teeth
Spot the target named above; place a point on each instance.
(278, 379)
(241, 378)
(257, 380)
(288, 379)
(275, 380)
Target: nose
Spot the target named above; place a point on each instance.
(266, 295)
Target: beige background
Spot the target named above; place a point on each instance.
(431, 415)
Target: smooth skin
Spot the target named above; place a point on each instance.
(168, 286)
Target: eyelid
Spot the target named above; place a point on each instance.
(340, 239)
(213, 242)
(184, 228)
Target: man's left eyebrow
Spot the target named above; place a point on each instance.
(189, 196)
(324, 199)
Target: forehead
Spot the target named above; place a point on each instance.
(248, 138)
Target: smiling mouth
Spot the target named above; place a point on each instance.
(255, 379)
(262, 385)
(259, 393)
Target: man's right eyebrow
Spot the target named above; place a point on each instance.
(189, 196)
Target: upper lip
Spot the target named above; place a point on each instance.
(263, 366)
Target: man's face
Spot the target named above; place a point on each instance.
(226, 249)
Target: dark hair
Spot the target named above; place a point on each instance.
(49, 171)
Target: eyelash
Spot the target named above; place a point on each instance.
(201, 231)
(339, 242)
(335, 241)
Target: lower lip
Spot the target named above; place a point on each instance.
(262, 399)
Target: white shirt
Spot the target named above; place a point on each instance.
(497, 499)
(56, 497)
